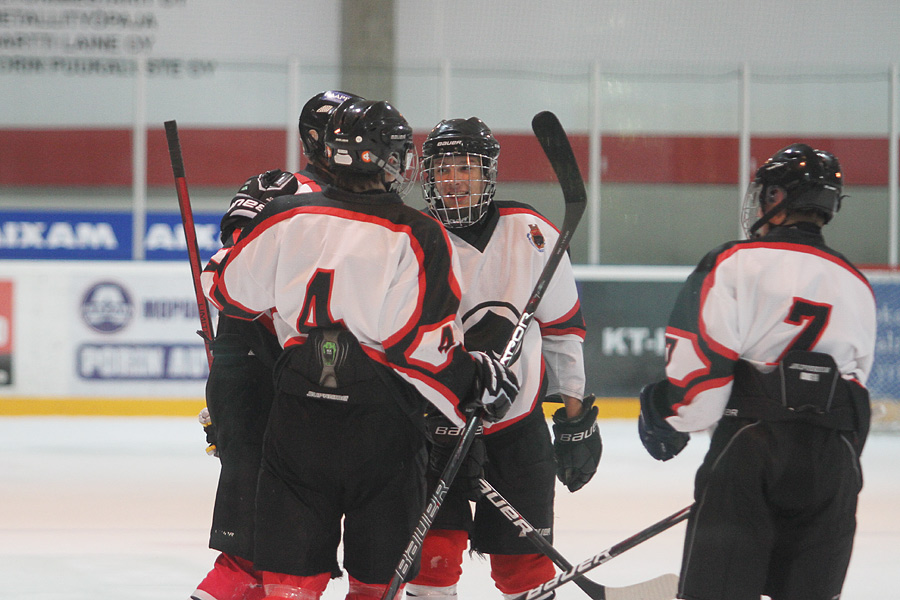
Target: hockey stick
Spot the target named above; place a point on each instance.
(658, 588)
(661, 588)
(555, 144)
(190, 234)
(592, 589)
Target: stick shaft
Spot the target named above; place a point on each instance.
(544, 590)
(190, 234)
(591, 588)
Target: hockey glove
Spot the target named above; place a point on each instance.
(210, 430)
(253, 197)
(444, 437)
(659, 438)
(577, 445)
(495, 388)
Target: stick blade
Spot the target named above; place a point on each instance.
(174, 148)
(555, 143)
(664, 587)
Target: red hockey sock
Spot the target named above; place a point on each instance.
(517, 573)
(295, 587)
(442, 555)
(368, 591)
(231, 578)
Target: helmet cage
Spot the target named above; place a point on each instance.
(458, 192)
(459, 173)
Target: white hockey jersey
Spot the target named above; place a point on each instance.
(755, 300)
(499, 269)
(366, 263)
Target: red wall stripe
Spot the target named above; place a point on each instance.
(225, 157)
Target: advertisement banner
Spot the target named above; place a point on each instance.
(6, 332)
(625, 344)
(884, 381)
(93, 330)
(97, 235)
(135, 329)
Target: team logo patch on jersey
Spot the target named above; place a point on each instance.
(536, 237)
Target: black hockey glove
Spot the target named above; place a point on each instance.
(658, 437)
(495, 388)
(577, 445)
(210, 430)
(444, 437)
(253, 197)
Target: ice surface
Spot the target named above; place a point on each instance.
(120, 508)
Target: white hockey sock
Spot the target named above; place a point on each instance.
(431, 592)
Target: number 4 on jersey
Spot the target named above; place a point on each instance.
(316, 310)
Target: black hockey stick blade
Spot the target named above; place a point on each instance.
(556, 146)
(555, 143)
(546, 589)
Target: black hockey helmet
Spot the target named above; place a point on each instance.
(371, 137)
(449, 196)
(800, 175)
(313, 119)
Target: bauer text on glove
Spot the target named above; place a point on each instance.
(444, 436)
(577, 445)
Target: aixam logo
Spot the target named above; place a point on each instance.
(57, 235)
(107, 307)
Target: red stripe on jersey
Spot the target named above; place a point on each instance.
(715, 346)
(804, 248)
(577, 331)
(309, 182)
(674, 332)
(560, 327)
(266, 321)
(709, 384)
(217, 292)
(513, 210)
(218, 289)
(415, 345)
(432, 383)
(298, 340)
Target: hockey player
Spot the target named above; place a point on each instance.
(770, 342)
(503, 247)
(239, 390)
(364, 294)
